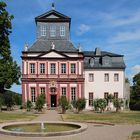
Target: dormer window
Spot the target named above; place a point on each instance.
(52, 31)
(43, 30)
(62, 30)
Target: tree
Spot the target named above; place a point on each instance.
(8, 99)
(118, 103)
(28, 105)
(80, 104)
(1, 102)
(40, 102)
(63, 102)
(9, 70)
(100, 104)
(95, 104)
(135, 93)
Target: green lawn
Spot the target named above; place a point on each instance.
(16, 116)
(135, 135)
(130, 117)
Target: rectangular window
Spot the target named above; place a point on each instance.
(91, 77)
(63, 91)
(63, 68)
(73, 94)
(106, 95)
(43, 30)
(52, 68)
(106, 77)
(32, 68)
(52, 31)
(33, 98)
(62, 30)
(42, 68)
(91, 99)
(115, 95)
(73, 68)
(42, 90)
(116, 77)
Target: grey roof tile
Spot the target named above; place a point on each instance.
(45, 45)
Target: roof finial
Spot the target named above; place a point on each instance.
(53, 6)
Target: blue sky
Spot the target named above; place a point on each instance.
(112, 25)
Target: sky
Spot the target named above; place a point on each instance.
(111, 25)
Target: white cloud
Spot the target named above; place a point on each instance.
(136, 69)
(83, 28)
(126, 36)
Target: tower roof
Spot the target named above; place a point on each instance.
(52, 16)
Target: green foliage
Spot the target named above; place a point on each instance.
(135, 93)
(9, 70)
(63, 102)
(40, 102)
(95, 104)
(28, 105)
(1, 101)
(118, 103)
(79, 104)
(100, 104)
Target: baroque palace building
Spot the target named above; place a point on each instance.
(52, 65)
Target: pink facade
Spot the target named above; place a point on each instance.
(36, 80)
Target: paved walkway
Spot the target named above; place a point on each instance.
(94, 131)
(50, 115)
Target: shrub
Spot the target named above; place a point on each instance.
(28, 105)
(100, 104)
(118, 103)
(95, 104)
(1, 102)
(63, 102)
(40, 102)
(79, 104)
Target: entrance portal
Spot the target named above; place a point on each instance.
(53, 100)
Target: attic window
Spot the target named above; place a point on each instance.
(62, 30)
(91, 62)
(52, 31)
(43, 30)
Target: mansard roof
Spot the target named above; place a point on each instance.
(58, 17)
(45, 45)
(94, 61)
(103, 53)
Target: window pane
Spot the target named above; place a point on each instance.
(32, 68)
(115, 94)
(73, 94)
(43, 30)
(33, 95)
(52, 68)
(91, 77)
(106, 95)
(63, 91)
(62, 30)
(73, 68)
(42, 90)
(52, 31)
(90, 99)
(116, 77)
(106, 77)
(63, 68)
(42, 68)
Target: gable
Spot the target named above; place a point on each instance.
(52, 55)
(52, 16)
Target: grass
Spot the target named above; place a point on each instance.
(135, 135)
(129, 117)
(37, 127)
(16, 116)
